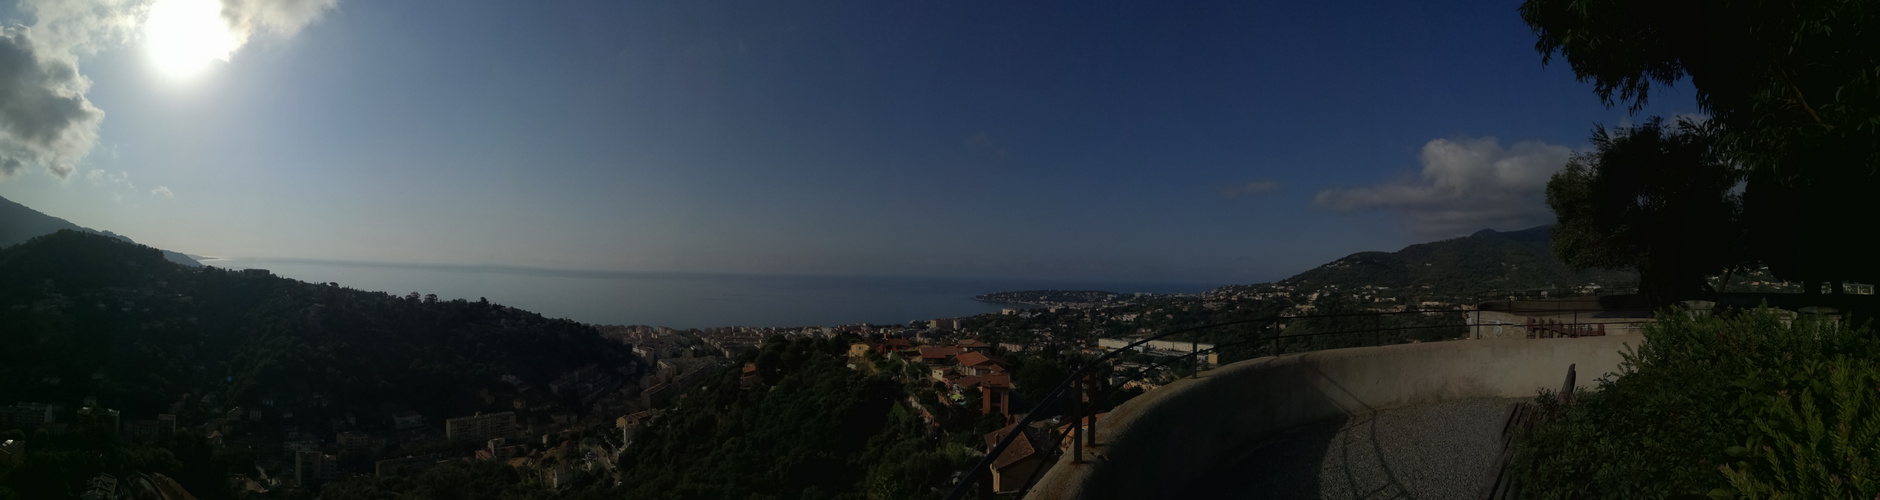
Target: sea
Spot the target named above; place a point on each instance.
(690, 300)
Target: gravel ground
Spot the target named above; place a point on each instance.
(1435, 451)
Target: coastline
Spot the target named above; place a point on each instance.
(689, 300)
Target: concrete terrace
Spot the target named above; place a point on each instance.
(1436, 450)
(1399, 421)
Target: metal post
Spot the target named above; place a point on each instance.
(1194, 347)
(1077, 431)
(1275, 340)
(1091, 434)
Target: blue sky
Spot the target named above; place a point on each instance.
(1226, 142)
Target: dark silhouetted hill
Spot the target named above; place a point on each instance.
(1488, 260)
(19, 223)
(116, 321)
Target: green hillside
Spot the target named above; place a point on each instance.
(88, 316)
(1488, 260)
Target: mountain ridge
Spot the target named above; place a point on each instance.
(19, 223)
(1485, 261)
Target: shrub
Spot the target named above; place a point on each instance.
(1696, 396)
(1803, 449)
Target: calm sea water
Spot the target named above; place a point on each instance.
(689, 300)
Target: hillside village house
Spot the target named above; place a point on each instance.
(748, 376)
(480, 428)
(354, 441)
(1022, 463)
(973, 363)
(942, 373)
(408, 419)
(893, 345)
(995, 391)
(938, 355)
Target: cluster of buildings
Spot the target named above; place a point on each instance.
(961, 368)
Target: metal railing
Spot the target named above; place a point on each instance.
(1277, 346)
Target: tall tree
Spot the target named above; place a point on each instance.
(1657, 198)
(1793, 85)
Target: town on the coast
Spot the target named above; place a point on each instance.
(567, 423)
(325, 398)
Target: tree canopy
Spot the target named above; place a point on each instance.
(1657, 198)
(1793, 88)
(1784, 78)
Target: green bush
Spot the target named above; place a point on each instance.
(1696, 396)
(1803, 449)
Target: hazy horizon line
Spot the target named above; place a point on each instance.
(610, 273)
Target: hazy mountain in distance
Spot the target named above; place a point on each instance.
(19, 223)
(1484, 261)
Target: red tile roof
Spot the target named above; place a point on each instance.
(968, 381)
(938, 352)
(1024, 447)
(998, 380)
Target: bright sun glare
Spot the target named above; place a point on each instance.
(184, 35)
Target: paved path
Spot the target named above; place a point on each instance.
(1435, 451)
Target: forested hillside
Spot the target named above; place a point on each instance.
(813, 428)
(1485, 261)
(85, 317)
(803, 425)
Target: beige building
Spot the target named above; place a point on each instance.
(480, 428)
(354, 440)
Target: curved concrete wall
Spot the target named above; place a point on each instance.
(1161, 441)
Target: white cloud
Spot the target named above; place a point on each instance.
(284, 18)
(99, 176)
(83, 27)
(1466, 185)
(45, 118)
(1251, 188)
(163, 191)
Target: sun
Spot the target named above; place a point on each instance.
(183, 36)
